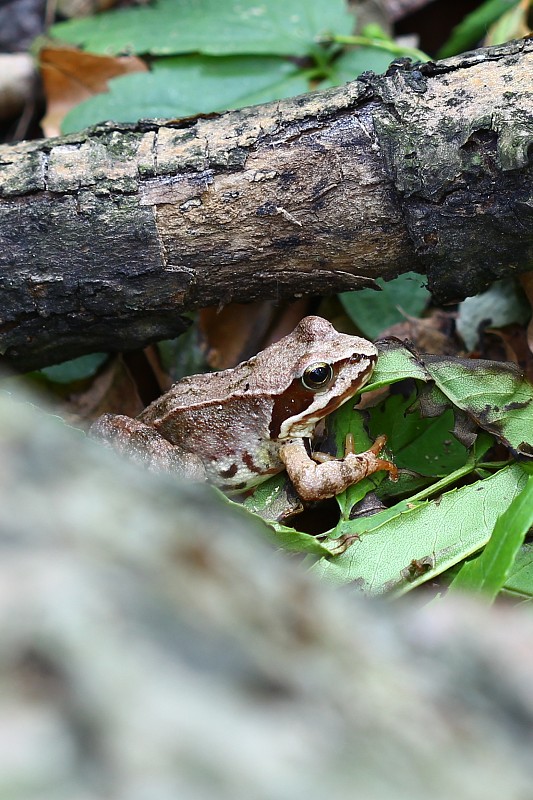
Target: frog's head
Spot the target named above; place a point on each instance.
(323, 368)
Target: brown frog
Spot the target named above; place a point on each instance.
(237, 427)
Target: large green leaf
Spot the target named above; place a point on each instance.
(373, 311)
(489, 571)
(188, 85)
(169, 27)
(424, 445)
(414, 541)
(494, 395)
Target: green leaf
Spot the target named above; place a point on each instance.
(381, 43)
(270, 500)
(520, 578)
(373, 311)
(502, 304)
(75, 370)
(474, 26)
(423, 445)
(511, 25)
(489, 571)
(211, 27)
(395, 363)
(296, 541)
(188, 85)
(494, 394)
(354, 61)
(348, 421)
(414, 541)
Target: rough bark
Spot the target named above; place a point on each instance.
(106, 235)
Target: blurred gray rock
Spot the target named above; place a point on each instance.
(20, 22)
(17, 82)
(154, 646)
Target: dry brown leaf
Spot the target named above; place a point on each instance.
(71, 76)
(513, 340)
(160, 374)
(235, 332)
(432, 334)
(112, 390)
(239, 330)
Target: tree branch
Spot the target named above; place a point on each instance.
(106, 235)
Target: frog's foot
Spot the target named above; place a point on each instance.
(317, 481)
(145, 445)
(377, 447)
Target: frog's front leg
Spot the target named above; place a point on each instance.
(145, 445)
(317, 481)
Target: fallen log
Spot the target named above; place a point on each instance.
(108, 234)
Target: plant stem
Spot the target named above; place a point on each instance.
(444, 482)
(380, 44)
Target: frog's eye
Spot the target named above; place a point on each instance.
(317, 376)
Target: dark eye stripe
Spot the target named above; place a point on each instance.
(297, 398)
(293, 401)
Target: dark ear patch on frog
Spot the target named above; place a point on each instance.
(294, 400)
(297, 398)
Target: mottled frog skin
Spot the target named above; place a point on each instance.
(237, 427)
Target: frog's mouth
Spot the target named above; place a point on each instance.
(298, 409)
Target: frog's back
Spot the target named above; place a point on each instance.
(255, 383)
(202, 391)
